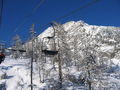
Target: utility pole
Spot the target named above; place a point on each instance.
(32, 31)
(59, 52)
(54, 31)
(60, 69)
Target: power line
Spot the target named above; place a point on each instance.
(1, 12)
(33, 11)
(72, 12)
(37, 6)
(61, 17)
(29, 15)
(77, 9)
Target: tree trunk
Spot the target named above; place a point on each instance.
(89, 82)
(60, 70)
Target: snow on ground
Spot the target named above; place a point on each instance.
(17, 75)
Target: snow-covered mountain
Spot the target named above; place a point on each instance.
(105, 37)
(75, 27)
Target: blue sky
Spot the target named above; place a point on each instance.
(104, 12)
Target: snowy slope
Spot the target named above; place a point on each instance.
(16, 75)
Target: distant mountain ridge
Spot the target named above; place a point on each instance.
(77, 25)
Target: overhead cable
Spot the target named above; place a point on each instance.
(77, 9)
(29, 15)
(72, 12)
(1, 12)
